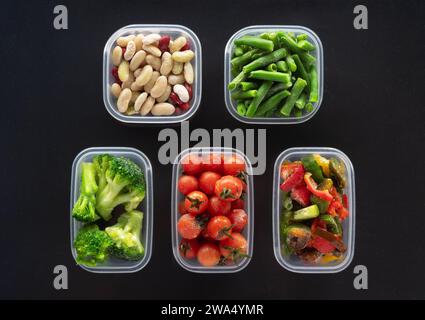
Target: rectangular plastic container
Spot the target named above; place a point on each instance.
(259, 29)
(293, 263)
(166, 29)
(114, 265)
(176, 197)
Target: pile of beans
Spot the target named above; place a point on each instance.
(153, 74)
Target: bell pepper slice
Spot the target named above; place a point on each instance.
(311, 165)
(292, 175)
(322, 204)
(322, 245)
(306, 213)
(332, 224)
(301, 195)
(312, 187)
(330, 237)
(323, 163)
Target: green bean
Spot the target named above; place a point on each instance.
(256, 42)
(298, 113)
(234, 71)
(308, 107)
(244, 59)
(271, 67)
(288, 42)
(291, 63)
(280, 86)
(300, 67)
(305, 45)
(302, 36)
(245, 86)
(236, 80)
(265, 60)
(270, 75)
(269, 114)
(314, 86)
(238, 51)
(292, 35)
(244, 94)
(296, 90)
(271, 103)
(307, 59)
(261, 93)
(301, 101)
(247, 102)
(282, 66)
(241, 108)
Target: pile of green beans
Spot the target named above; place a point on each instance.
(274, 75)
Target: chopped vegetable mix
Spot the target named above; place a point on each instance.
(276, 73)
(313, 208)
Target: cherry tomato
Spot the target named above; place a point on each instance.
(234, 248)
(189, 248)
(218, 207)
(196, 202)
(228, 188)
(239, 219)
(187, 184)
(219, 228)
(181, 207)
(212, 162)
(192, 164)
(233, 165)
(189, 227)
(238, 204)
(205, 235)
(208, 254)
(207, 181)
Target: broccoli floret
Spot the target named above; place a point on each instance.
(85, 207)
(126, 236)
(124, 184)
(92, 245)
(101, 163)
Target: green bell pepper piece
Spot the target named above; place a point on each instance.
(312, 166)
(306, 213)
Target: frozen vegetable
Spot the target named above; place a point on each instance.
(274, 73)
(313, 208)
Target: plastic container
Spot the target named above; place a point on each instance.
(114, 265)
(256, 30)
(167, 29)
(176, 197)
(293, 263)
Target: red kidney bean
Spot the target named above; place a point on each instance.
(186, 46)
(189, 89)
(114, 72)
(184, 106)
(163, 43)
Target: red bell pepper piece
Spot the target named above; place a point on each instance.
(322, 245)
(292, 175)
(301, 195)
(312, 187)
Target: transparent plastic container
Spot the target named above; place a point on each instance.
(259, 29)
(293, 263)
(114, 265)
(173, 31)
(176, 197)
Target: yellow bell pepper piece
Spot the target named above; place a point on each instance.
(323, 163)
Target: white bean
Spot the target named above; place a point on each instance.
(151, 38)
(130, 50)
(144, 76)
(175, 79)
(159, 88)
(116, 56)
(155, 62)
(165, 95)
(134, 96)
(147, 106)
(136, 72)
(188, 72)
(182, 92)
(137, 60)
(140, 101)
(183, 56)
(123, 41)
(148, 86)
(167, 64)
(177, 68)
(123, 100)
(116, 90)
(152, 50)
(177, 44)
(127, 83)
(163, 109)
(138, 40)
(123, 71)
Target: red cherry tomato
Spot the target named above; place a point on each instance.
(208, 254)
(238, 204)
(219, 228)
(205, 235)
(233, 165)
(187, 184)
(218, 207)
(189, 248)
(181, 207)
(192, 164)
(189, 227)
(212, 162)
(196, 202)
(239, 219)
(234, 248)
(228, 188)
(207, 181)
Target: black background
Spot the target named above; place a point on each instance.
(372, 110)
